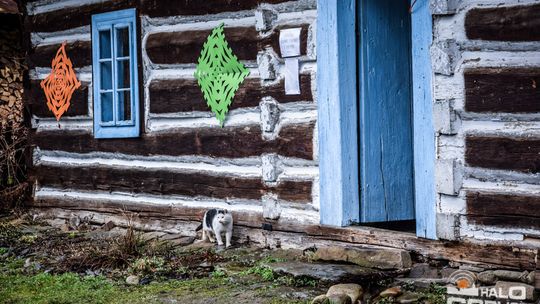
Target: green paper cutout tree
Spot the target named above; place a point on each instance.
(219, 73)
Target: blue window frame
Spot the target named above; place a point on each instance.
(115, 77)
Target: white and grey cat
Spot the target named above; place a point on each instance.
(214, 224)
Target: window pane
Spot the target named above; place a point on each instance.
(104, 44)
(122, 42)
(122, 70)
(124, 105)
(106, 75)
(106, 107)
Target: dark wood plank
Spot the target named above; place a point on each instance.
(515, 90)
(464, 252)
(504, 210)
(72, 17)
(515, 23)
(164, 8)
(165, 182)
(293, 141)
(184, 47)
(184, 95)
(37, 103)
(80, 53)
(519, 154)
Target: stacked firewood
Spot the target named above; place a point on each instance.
(11, 92)
(13, 133)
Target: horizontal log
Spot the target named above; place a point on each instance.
(503, 90)
(293, 141)
(73, 17)
(519, 154)
(515, 23)
(296, 231)
(166, 182)
(79, 52)
(164, 8)
(184, 95)
(504, 210)
(37, 103)
(185, 47)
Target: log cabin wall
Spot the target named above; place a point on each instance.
(257, 164)
(486, 61)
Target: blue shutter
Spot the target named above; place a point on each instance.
(115, 77)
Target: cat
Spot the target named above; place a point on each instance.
(215, 222)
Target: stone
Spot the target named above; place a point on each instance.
(408, 297)
(27, 263)
(391, 292)
(354, 291)
(74, 221)
(471, 268)
(65, 228)
(108, 226)
(322, 299)
(271, 207)
(149, 236)
(339, 299)
(503, 287)
(327, 273)
(487, 277)
(132, 280)
(491, 276)
(447, 271)
(365, 257)
(421, 283)
(423, 270)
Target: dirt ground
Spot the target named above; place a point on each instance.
(43, 264)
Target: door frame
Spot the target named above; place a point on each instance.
(338, 108)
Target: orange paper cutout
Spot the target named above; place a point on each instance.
(60, 84)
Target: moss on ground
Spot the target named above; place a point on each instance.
(74, 288)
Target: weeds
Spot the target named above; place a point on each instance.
(436, 294)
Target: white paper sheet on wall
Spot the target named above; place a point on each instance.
(292, 77)
(289, 42)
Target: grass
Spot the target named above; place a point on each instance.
(72, 288)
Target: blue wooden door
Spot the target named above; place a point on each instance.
(385, 111)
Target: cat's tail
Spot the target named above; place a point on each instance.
(199, 227)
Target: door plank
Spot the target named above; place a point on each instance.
(386, 154)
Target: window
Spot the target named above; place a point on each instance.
(115, 78)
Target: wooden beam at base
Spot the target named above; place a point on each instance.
(294, 233)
